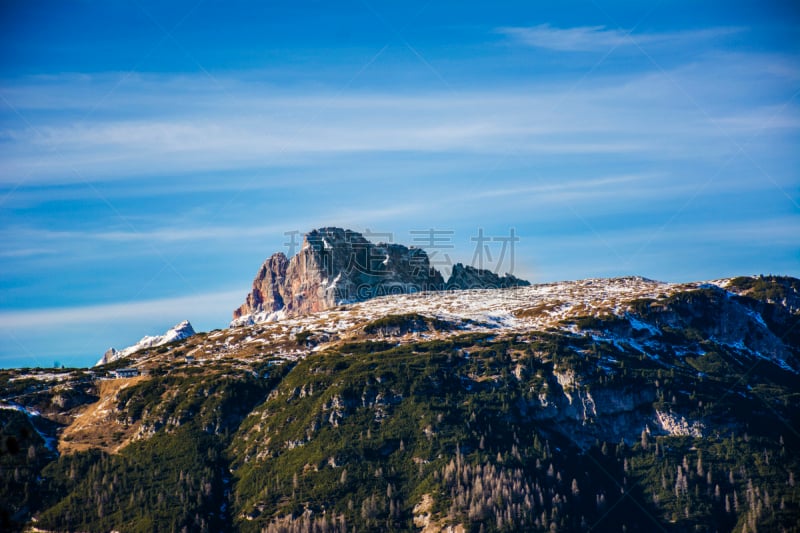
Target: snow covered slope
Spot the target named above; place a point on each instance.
(491, 308)
(634, 313)
(177, 332)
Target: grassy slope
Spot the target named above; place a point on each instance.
(359, 434)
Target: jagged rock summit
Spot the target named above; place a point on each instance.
(337, 266)
(177, 332)
(334, 266)
(467, 277)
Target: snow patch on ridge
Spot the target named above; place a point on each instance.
(179, 331)
(540, 307)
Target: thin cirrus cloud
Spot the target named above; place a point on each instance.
(169, 308)
(761, 234)
(159, 235)
(601, 38)
(263, 132)
(85, 331)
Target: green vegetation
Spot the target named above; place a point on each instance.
(22, 457)
(359, 437)
(302, 337)
(767, 288)
(165, 483)
(405, 323)
(596, 429)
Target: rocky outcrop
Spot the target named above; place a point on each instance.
(586, 410)
(269, 292)
(712, 314)
(467, 277)
(334, 266)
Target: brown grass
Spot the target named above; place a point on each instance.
(538, 310)
(96, 425)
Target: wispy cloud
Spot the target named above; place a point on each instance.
(621, 186)
(639, 113)
(675, 252)
(160, 236)
(602, 39)
(755, 233)
(79, 335)
(171, 310)
(25, 252)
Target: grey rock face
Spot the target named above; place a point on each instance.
(337, 266)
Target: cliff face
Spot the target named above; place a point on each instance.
(334, 266)
(269, 292)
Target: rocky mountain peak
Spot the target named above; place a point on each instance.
(334, 266)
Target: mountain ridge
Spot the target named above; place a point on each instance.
(179, 331)
(569, 406)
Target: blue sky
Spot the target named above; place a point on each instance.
(152, 156)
